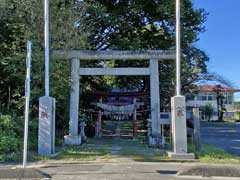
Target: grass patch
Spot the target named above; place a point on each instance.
(211, 154)
(141, 152)
(221, 123)
(89, 151)
(236, 115)
(33, 156)
(135, 149)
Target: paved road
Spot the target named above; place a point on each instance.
(225, 136)
(110, 171)
(116, 171)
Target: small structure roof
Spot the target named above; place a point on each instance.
(208, 88)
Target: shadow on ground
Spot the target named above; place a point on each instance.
(23, 174)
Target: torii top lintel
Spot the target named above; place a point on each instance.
(114, 55)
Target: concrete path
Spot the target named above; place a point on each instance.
(222, 135)
(115, 149)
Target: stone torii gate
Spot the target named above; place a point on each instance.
(46, 136)
(76, 71)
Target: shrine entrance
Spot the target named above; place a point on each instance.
(154, 56)
(46, 136)
(121, 113)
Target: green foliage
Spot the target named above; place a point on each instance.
(11, 137)
(9, 141)
(237, 105)
(237, 116)
(6, 124)
(89, 151)
(220, 102)
(134, 24)
(208, 110)
(8, 144)
(84, 117)
(32, 134)
(211, 154)
(21, 21)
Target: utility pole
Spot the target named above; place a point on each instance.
(46, 44)
(27, 99)
(46, 126)
(178, 48)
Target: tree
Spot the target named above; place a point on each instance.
(237, 105)
(215, 78)
(237, 109)
(140, 24)
(22, 20)
(220, 102)
(208, 110)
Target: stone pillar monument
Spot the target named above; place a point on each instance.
(156, 139)
(46, 126)
(179, 129)
(74, 138)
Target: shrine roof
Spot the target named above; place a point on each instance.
(120, 94)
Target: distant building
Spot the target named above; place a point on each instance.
(206, 95)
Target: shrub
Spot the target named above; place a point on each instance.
(9, 140)
(33, 134)
(8, 144)
(6, 124)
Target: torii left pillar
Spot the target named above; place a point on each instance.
(74, 138)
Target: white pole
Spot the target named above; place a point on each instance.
(27, 96)
(46, 42)
(178, 48)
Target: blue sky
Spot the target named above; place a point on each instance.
(221, 41)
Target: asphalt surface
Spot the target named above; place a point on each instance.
(118, 171)
(225, 136)
(111, 171)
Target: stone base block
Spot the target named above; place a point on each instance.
(54, 155)
(181, 156)
(98, 135)
(155, 141)
(84, 139)
(72, 140)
